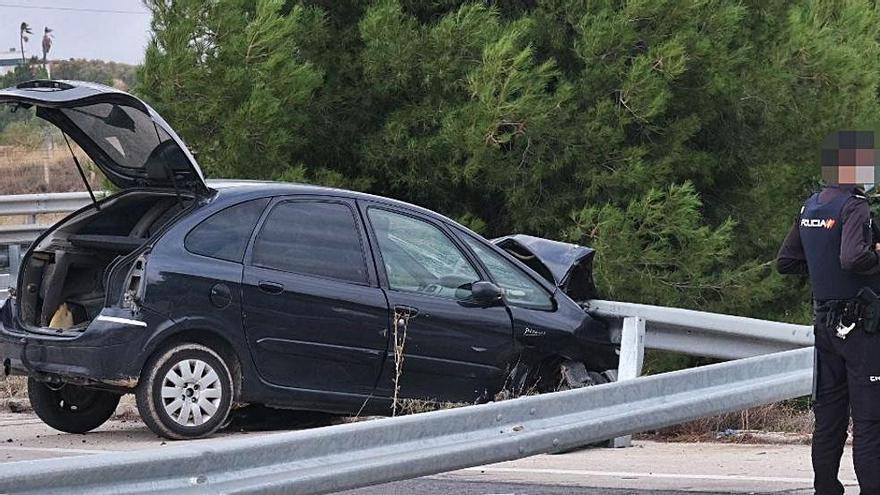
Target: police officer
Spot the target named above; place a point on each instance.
(832, 242)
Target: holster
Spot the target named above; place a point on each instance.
(869, 304)
(843, 313)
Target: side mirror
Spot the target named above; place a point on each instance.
(485, 294)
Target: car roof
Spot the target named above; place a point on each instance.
(232, 189)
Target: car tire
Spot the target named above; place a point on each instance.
(573, 375)
(71, 408)
(185, 392)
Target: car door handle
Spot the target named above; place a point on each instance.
(272, 288)
(406, 311)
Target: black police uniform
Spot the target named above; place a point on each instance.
(832, 233)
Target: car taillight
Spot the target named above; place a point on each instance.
(134, 286)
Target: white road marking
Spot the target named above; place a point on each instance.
(57, 450)
(623, 474)
(19, 422)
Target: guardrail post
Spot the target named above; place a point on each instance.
(632, 357)
(14, 261)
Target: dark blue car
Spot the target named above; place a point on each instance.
(196, 296)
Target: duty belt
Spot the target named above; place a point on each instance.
(862, 313)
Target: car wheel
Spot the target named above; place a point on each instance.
(185, 392)
(71, 408)
(573, 374)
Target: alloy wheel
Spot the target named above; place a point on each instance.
(191, 392)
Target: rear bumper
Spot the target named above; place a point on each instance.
(106, 353)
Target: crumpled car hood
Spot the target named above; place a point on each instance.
(567, 266)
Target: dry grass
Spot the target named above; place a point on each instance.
(415, 406)
(784, 419)
(26, 171)
(13, 387)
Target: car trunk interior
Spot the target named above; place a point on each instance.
(65, 276)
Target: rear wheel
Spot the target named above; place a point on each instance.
(185, 392)
(71, 408)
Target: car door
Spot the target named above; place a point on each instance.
(451, 350)
(531, 305)
(314, 317)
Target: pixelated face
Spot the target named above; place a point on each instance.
(849, 159)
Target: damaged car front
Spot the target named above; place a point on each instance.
(569, 347)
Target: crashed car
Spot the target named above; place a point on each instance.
(198, 296)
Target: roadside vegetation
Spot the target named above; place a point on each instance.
(677, 138)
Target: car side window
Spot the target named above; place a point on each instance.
(519, 289)
(312, 238)
(419, 257)
(225, 234)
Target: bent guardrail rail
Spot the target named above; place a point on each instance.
(348, 456)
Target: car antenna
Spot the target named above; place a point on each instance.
(81, 173)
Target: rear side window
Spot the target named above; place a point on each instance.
(312, 238)
(225, 234)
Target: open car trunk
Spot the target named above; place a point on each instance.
(64, 281)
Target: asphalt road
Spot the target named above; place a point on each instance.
(646, 468)
(434, 486)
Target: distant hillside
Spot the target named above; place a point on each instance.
(110, 73)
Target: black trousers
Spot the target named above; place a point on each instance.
(847, 382)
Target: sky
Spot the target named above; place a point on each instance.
(116, 30)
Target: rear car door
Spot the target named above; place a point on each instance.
(314, 317)
(452, 350)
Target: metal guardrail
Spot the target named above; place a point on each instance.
(706, 334)
(349, 456)
(36, 204)
(341, 457)
(15, 237)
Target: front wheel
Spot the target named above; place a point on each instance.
(71, 408)
(185, 392)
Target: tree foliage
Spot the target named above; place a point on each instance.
(100, 71)
(678, 137)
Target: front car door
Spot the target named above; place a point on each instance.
(314, 317)
(451, 350)
(532, 306)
